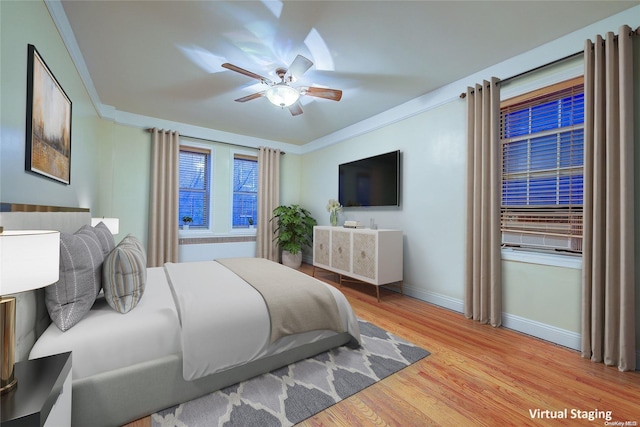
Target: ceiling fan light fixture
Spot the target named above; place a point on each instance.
(282, 95)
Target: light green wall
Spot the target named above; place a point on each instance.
(29, 22)
(125, 159)
(432, 217)
(432, 214)
(110, 175)
(433, 206)
(125, 169)
(290, 183)
(543, 293)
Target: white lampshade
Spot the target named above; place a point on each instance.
(29, 259)
(282, 95)
(113, 224)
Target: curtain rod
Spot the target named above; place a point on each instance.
(548, 64)
(632, 33)
(217, 142)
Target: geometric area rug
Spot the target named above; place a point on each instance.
(293, 393)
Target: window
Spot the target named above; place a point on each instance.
(245, 190)
(542, 136)
(195, 186)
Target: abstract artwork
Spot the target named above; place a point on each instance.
(48, 145)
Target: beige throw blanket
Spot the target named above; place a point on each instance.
(296, 302)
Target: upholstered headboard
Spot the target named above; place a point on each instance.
(32, 317)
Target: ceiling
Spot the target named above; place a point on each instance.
(162, 59)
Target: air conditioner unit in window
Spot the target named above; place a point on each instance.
(541, 241)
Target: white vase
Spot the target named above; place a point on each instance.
(292, 260)
(185, 226)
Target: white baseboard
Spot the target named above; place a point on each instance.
(434, 298)
(517, 323)
(536, 329)
(543, 331)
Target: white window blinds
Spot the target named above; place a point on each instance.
(245, 191)
(542, 136)
(194, 186)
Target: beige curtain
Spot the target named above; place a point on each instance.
(164, 192)
(608, 276)
(268, 200)
(483, 269)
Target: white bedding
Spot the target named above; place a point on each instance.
(105, 339)
(238, 339)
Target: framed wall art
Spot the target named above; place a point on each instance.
(48, 145)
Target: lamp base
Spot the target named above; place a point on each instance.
(6, 389)
(8, 340)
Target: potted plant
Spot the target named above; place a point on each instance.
(250, 221)
(186, 220)
(294, 231)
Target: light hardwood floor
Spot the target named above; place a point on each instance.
(476, 375)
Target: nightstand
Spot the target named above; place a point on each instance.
(43, 395)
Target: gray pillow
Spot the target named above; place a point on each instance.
(81, 258)
(124, 275)
(105, 237)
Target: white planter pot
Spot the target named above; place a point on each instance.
(291, 260)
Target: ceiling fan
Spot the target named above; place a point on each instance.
(282, 94)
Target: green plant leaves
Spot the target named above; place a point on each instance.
(295, 227)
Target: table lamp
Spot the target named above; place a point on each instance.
(113, 224)
(29, 259)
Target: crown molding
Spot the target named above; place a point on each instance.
(546, 53)
(187, 130)
(64, 28)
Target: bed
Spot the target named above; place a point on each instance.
(198, 327)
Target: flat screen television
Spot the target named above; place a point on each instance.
(374, 181)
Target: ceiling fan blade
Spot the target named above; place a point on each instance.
(296, 109)
(321, 92)
(250, 97)
(246, 72)
(299, 66)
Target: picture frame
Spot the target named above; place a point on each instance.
(48, 130)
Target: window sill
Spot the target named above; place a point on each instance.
(541, 258)
(243, 231)
(206, 240)
(195, 232)
(207, 234)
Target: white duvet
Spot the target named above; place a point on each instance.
(224, 324)
(105, 339)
